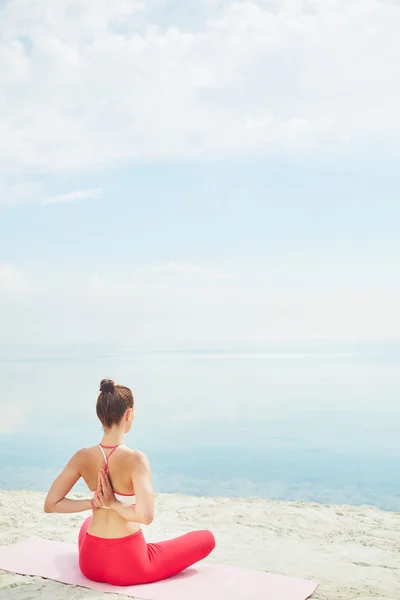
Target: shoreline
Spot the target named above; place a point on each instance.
(218, 498)
(82, 493)
(352, 551)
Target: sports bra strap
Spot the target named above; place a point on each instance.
(103, 453)
(107, 458)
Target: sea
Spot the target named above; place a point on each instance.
(302, 421)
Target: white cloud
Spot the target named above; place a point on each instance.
(16, 191)
(12, 279)
(195, 270)
(73, 196)
(106, 287)
(144, 306)
(87, 84)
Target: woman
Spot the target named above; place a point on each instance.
(112, 548)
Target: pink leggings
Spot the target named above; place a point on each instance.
(131, 561)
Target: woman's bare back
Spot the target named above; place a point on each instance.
(107, 523)
(119, 467)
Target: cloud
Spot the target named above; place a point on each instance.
(12, 279)
(15, 191)
(145, 306)
(73, 196)
(106, 287)
(89, 84)
(139, 282)
(194, 270)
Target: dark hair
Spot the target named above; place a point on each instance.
(112, 402)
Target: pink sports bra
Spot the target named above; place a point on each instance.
(123, 498)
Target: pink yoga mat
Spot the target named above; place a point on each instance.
(59, 561)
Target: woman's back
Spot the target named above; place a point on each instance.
(119, 461)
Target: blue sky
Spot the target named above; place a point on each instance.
(244, 211)
(224, 173)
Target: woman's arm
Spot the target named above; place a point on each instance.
(143, 512)
(56, 502)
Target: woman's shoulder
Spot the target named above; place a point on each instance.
(135, 458)
(84, 453)
(133, 454)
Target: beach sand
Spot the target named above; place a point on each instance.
(353, 552)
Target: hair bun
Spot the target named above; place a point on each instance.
(107, 386)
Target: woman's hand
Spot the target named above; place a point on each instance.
(104, 495)
(96, 503)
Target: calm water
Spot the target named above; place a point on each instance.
(314, 422)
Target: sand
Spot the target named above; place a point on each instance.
(354, 552)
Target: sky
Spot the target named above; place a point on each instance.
(203, 171)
